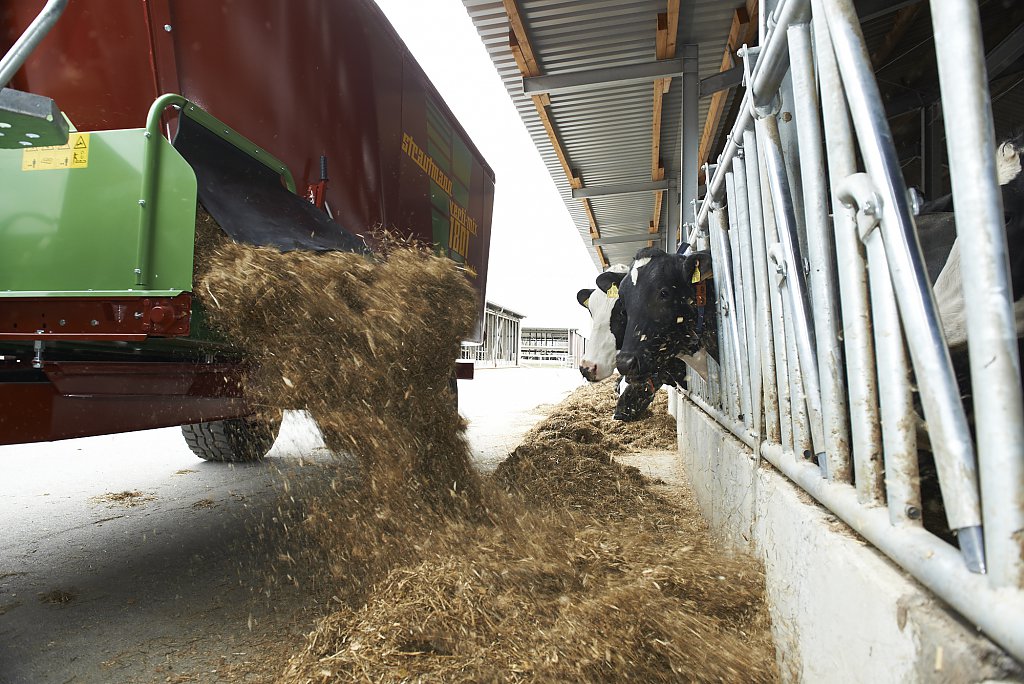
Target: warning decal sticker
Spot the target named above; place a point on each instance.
(72, 155)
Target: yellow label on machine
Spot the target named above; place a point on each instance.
(72, 155)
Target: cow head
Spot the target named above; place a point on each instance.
(599, 361)
(658, 319)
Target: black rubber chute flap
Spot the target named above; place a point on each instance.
(250, 202)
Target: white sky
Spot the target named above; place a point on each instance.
(538, 261)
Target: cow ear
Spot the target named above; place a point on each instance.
(583, 297)
(697, 267)
(609, 282)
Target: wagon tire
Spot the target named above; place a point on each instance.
(235, 440)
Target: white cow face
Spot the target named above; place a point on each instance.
(599, 361)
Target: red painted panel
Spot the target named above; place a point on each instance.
(145, 378)
(95, 62)
(97, 398)
(129, 319)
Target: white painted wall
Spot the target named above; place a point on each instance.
(841, 611)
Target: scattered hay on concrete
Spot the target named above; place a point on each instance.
(579, 573)
(562, 567)
(59, 596)
(589, 411)
(125, 499)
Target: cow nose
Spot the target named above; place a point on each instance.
(628, 364)
(588, 370)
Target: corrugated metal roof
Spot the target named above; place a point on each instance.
(605, 132)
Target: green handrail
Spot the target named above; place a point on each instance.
(151, 158)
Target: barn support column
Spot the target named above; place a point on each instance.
(672, 221)
(690, 141)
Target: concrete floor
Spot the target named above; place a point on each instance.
(171, 584)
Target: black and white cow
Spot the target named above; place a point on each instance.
(663, 318)
(599, 361)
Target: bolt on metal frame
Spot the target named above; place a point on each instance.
(814, 354)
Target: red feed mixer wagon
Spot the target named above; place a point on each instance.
(297, 124)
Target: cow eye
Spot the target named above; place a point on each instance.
(664, 293)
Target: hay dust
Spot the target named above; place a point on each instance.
(562, 566)
(59, 596)
(125, 499)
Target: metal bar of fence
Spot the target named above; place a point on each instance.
(738, 309)
(730, 354)
(899, 443)
(748, 290)
(990, 319)
(762, 294)
(735, 428)
(899, 439)
(865, 435)
(951, 442)
(801, 428)
(778, 327)
(820, 251)
(999, 613)
(799, 307)
(717, 382)
(765, 78)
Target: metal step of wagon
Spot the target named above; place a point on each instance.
(28, 120)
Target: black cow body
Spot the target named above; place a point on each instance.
(659, 318)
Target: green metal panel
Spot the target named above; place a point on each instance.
(76, 231)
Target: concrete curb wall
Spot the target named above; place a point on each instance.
(841, 611)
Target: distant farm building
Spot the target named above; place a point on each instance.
(562, 347)
(501, 343)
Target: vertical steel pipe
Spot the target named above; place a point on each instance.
(748, 290)
(729, 355)
(899, 438)
(995, 368)
(689, 164)
(802, 443)
(951, 440)
(778, 182)
(899, 435)
(865, 433)
(778, 329)
(762, 292)
(738, 309)
(1000, 614)
(820, 250)
(765, 78)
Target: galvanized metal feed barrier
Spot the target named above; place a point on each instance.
(820, 278)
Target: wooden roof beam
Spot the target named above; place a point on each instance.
(526, 60)
(742, 31)
(900, 25)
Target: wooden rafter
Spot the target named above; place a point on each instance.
(900, 25)
(743, 31)
(526, 60)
